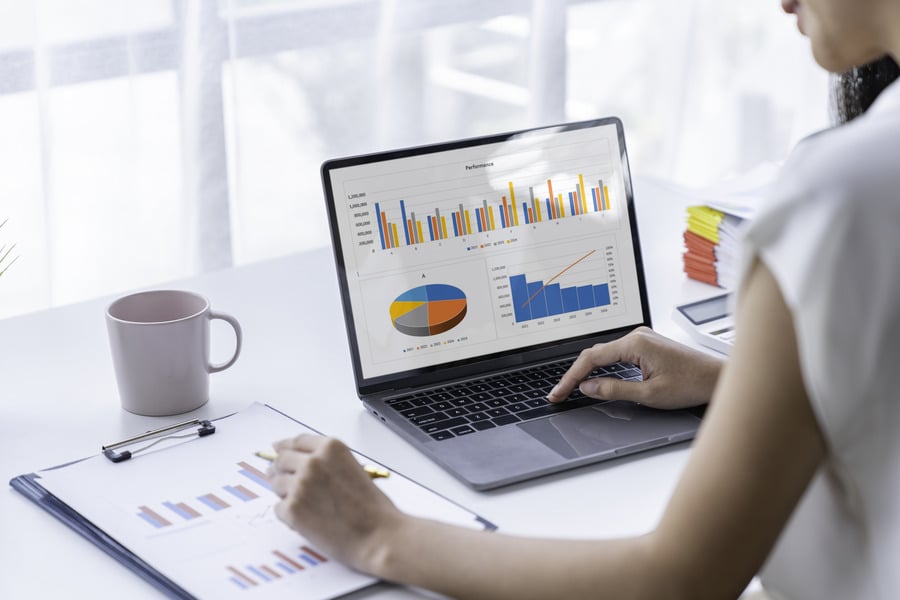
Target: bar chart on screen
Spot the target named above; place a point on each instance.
(559, 287)
(467, 199)
(402, 223)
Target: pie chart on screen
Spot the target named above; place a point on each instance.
(428, 310)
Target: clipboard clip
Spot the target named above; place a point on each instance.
(204, 428)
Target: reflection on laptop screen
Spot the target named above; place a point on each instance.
(486, 248)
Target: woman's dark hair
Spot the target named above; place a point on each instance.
(856, 90)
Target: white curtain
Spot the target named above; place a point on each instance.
(149, 140)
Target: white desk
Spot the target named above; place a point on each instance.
(58, 402)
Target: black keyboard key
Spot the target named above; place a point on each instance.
(421, 401)
(442, 435)
(395, 401)
(479, 387)
(477, 407)
(517, 398)
(416, 412)
(428, 419)
(445, 424)
(629, 373)
(443, 405)
(482, 425)
(536, 402)
(536, 394)
(497, 412)
(458, 392)
(501, 392)
(506, 420)
(518, 407)
(401, 405)
(481, 396)
(519, 387)
(614, 368)
(441, 396)
(463, 430)
(456, 412)
(478, 417)
(496, 402)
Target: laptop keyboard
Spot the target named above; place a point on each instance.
(503, 399)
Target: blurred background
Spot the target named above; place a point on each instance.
(150, 140)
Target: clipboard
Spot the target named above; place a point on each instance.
(190, 513)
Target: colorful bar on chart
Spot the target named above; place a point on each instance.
(405, 228)
(213, 501)
(512, 202)
(241, 577)
(381, 227)
(582, 193)
(259, 573)
(182, 510)
(271, 572)
(254, 474)
(314, 554)
(240, 492)
(153, 517)
(288, 560)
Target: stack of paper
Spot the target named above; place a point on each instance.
(714, 227)
(712, 241)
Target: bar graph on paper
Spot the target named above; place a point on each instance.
(249, 484)
(278, 565)
(566, 284)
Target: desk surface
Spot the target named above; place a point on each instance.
(59, 402)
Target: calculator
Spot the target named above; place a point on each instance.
(709, 321)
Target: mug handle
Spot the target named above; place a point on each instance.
(238, 339)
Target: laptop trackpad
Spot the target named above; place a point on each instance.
(597, 429)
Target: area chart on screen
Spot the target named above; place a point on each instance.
(428, 310)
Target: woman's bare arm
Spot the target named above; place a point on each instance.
(756, 453)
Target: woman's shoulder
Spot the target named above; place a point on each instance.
(857, 161)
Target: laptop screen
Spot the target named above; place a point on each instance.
(481, 249)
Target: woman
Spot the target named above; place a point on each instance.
(799, 445)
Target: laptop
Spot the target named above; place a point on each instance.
(472, 273)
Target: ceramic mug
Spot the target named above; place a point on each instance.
(160, 348)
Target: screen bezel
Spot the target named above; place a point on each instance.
(488, 363)
(684, 308)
